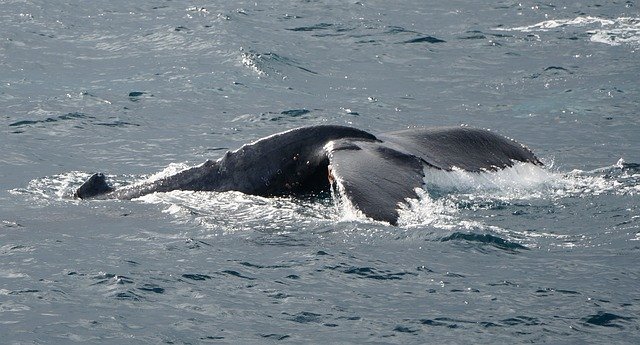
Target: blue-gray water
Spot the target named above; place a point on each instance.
(133, 87)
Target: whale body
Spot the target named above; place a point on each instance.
(375, 173)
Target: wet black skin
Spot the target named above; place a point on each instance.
(376, 173)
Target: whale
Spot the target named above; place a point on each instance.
(375, 173)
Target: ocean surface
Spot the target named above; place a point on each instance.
(141, 89)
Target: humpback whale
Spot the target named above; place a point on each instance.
(375, 173)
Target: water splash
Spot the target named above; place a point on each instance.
(470, 202)
(450, 202)
(623, 30)
(548, 25)
(228, 212)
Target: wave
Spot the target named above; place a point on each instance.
(623, 30)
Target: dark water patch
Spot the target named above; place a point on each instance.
(107, 278)
(252, 265)
(522, 320)
(281, 240)
(424, 269)
(504, 283)
(128, 296)
(10, 248)
(182, 28)
(132, 263)
(190, 243)
(607, 319)
(630, 167)
(237, 274)
(283, 60)
(278, 295)
(151, 288)
(392, 30)
(22, 292)
(366, 41)
(117, 123)
(557, 70)
(404, 329)
(465, 290)
(135, 96)
(429, 322)
(550, 291)
(349, 318)
(123, 280)
(425, 39)
(442, 322)
(285, 115)
(372, 273)
(65, 117)
(196, 277)
(454, 275)
(293, 276)
(325, 30)
(317, 27)
(568, 292)
(485, 239)
(248, 264)
(274, 336)
(213, 149)
(43, 34)
(488, 324)
(211, 338)
(550, 72)
(305, 317)
(295, 112)
(496, 35)
(473, 35)
(456, 323)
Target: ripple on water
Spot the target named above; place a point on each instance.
(485, 239)
(272, 64)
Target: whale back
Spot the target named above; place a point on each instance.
(290, 162)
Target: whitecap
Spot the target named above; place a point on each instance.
(622, 30)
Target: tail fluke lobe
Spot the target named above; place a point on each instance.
(96, 185)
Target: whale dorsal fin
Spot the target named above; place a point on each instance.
(470, 149)
(374, 177)
(96, 185)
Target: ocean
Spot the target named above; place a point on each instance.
(143, 89)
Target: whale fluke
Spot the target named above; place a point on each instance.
(94, 186)
(375, 178)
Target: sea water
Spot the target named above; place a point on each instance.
(140, 90)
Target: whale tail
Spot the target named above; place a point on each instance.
(96, 185)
